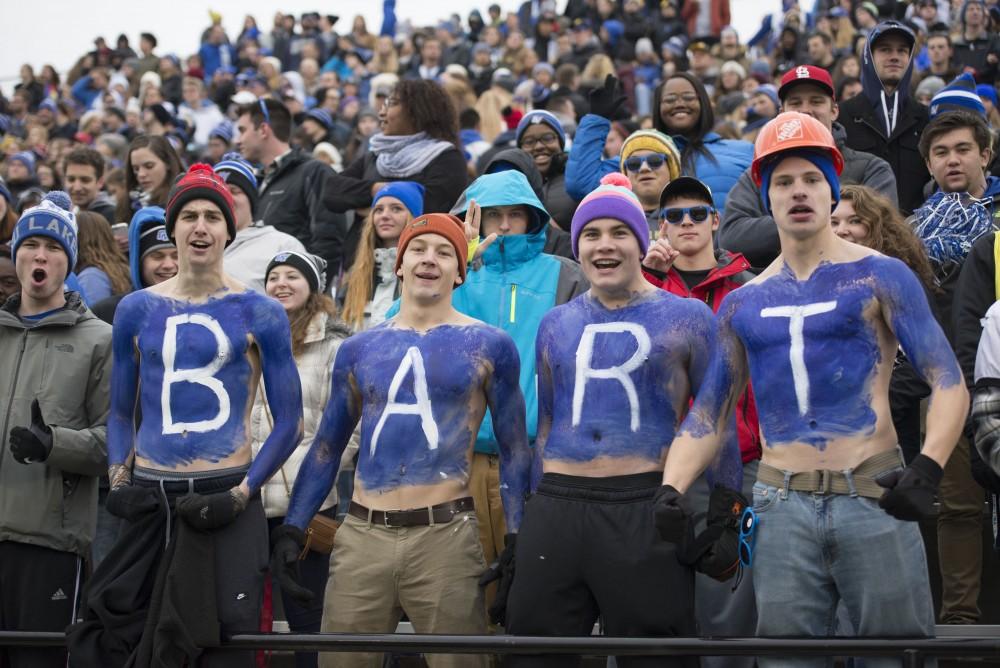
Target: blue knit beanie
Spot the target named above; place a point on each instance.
(541, 116)
(234, 169)
(410, 193)
(959, 95)
(823, 163)
(26, 158)
(53, 218)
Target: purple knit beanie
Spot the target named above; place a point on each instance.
(612, 199)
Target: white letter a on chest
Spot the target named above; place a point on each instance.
(422, 407)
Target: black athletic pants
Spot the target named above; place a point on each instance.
(588, 547)
(39, 591)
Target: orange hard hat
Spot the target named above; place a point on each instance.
(792, 130)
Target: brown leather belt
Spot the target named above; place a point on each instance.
(442, 513)
(835, 482)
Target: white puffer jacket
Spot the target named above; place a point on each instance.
(315, 364)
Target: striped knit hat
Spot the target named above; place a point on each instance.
(959, 95)
(652, 140)
(234, 169)
(612, 199)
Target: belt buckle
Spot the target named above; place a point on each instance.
(826, 481)
(385, 520)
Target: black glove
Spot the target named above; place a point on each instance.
(130, 502)
(606, 101)
(716, 550)
(34, 443)
(672, 521)
(503, 570)
(288, 545)
(909, 494)
(211, 511)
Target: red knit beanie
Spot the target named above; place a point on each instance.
(200, 182)
(445, 224)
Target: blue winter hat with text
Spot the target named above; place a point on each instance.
(53, 218)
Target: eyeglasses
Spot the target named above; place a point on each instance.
(390, 101)
(686, 98)
(263, 110)
(654, 160)
(748, 536)
(547, 138)
(675, 215)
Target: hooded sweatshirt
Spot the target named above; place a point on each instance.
(887, 106)
(889, 126)
(514, 284)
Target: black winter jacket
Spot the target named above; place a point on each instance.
(443, 180)
(291, 199)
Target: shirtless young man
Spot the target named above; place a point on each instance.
(420, 384)
(616, 369)
(192, 349)
(819, 330)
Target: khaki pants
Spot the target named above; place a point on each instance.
(428, 572)
(960, 539)
(484, 486)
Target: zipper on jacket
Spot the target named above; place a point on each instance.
(513, 301)
(17, 371)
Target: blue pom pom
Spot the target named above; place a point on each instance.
(234, 156)
(60, 199)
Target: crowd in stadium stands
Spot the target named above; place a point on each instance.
(301, 324)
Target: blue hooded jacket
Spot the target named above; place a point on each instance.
(514, 284)
(142, 219)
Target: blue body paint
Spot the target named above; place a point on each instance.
(615, 383)
(190, 367)
(420, 399)
(813, 345)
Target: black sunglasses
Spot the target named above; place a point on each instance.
(654, 160)
(699, 214)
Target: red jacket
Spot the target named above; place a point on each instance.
(731, 271)
(720, 16)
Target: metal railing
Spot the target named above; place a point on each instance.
(912, 651)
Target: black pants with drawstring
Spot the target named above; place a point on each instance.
(587, 548)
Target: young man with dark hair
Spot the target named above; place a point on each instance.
(616, 369)
(956, 225)
(420, 385)
(819, 328)
(977, 49)
(55, 357)
(821, 50)
(189, 354)
(292, 183)
(939, 53)
(884, 120)
(83, 174)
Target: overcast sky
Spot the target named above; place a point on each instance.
(59, 31)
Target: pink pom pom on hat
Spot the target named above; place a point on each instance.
(612, 199)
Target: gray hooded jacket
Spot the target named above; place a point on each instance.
(64, 361)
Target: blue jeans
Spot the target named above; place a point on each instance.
(815, 550)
